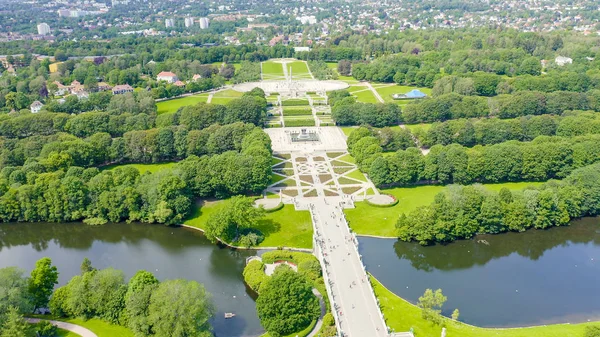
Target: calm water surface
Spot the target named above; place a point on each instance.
(514, 279)
(169, 253)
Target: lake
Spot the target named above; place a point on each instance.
(507, 280)
(169, 253)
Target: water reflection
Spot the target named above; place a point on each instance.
(514, 279)
(484, 248)
(169, 253)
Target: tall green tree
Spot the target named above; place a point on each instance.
(15, 325)
(42, 281)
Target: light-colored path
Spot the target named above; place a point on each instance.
(354, 304)
(377, 95)
(83, 332)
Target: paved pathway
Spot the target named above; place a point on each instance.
(355, 307)
(83, 332)
(377, 95)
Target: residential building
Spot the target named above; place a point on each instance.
(189, 22)
(122, 89)
(561, 60)
(196, 77)
(62, 89)
(179, 84)
(43, 29)
(203, 23)
(169, 23)
(36, 107)
(167, 76)
(103, 86)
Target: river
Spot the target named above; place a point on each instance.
(514, 279)
(169, 253)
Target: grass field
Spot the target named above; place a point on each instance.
(414, 127)
(224, 96)
(401, 315)
(152, 168)
(66, 333)
(381, 221)
(347, 130)
(272, 70)
(102, 328)
(299, 70)
(365, 96)
(285, 227)
(387, 91)
(173, 105)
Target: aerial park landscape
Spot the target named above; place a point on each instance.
(287, 195)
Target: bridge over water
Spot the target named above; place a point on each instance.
(353, 302)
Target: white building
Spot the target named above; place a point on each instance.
(169, 23)
(561, 60)
(36, 107)
(203, 23)
(167, 76)
(189, 22)
(43, 29)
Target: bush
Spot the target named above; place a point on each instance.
(250, 239)
(46, 329)
(254, 275)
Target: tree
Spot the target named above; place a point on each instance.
(15, 325)
(41, 283)
(86, 266)
(455, 314)
(286, 303)
(530, 66)
(137, 301)
(431, 305)
(14, 291)
(592, 331)
(180, 308)
(237, 215)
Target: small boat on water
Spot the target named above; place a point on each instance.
(229, 315)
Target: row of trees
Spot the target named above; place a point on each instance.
(542, 159)
(522, 103)
(488, 131)
(54, 190)
(122, 117)
(346, 111)
(144, 304)
(464, 211)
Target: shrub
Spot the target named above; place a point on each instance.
(592, 331)
(45, 329)
(254, 275)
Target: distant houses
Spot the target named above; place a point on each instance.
(36, 107)
(413, 94)
(122, 89)
(167, 76)
(561, 60)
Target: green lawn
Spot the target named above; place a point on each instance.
(299, 70)
(272, 69)
(365, 96)
(229, 93)
(356, 174)
(66, 333)
(381, 221)
(102, 328)
(152, 168)
(414, 127)
(387, 91)
(173, 105)
(347, 129)
(285, 227)
(401, 315)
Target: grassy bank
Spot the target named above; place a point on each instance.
(152, 168)
(381, 221)
(97, 326)
(285, 227)
(173, 104)
(402, 315)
